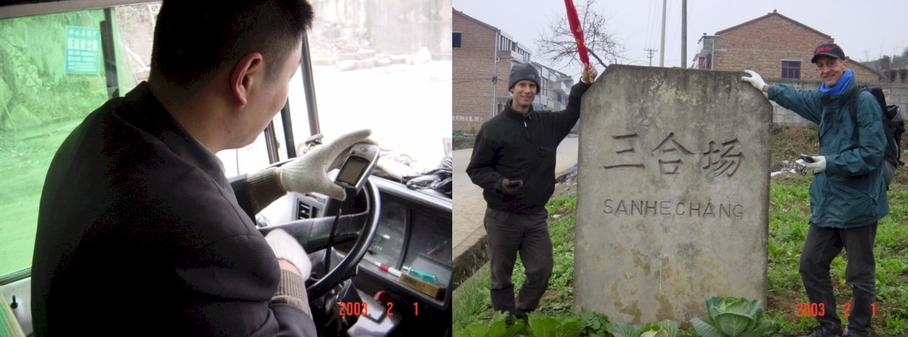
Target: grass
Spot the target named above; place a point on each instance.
(789, 212)
(463, 138)
(471, 299)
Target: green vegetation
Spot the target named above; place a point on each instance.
(585, 324)
(463, 139)
(471, 299)
(733, 316)
(789, 212)
(664, 328)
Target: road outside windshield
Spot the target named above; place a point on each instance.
(384, 65)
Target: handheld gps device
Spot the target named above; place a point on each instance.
(358, 166)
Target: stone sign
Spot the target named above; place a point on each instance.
(672, 193)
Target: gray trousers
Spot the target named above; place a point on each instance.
(820, 247)
(510, 233)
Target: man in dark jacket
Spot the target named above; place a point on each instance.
(514, 163)
(848, 193)
(139, 232)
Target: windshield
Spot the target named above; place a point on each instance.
(383, 65)
(389, 71)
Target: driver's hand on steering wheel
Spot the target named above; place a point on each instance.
(287, 248)
(293, 258)
(308, 173)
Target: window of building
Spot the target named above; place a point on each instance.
(504, 43)
(791, 69)
(456, 39)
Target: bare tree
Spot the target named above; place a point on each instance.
(558, 42)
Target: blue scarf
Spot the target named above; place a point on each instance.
(840, 85)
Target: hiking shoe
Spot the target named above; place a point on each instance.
(825, 332)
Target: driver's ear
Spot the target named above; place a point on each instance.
(243, 77)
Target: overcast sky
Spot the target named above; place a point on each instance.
(865, 29)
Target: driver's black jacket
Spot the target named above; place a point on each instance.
(522, 146)
(140, 234)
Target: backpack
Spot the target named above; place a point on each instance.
(893, 125)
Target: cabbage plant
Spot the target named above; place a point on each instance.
(664, 328)
(733, 317)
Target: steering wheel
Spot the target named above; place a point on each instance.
(313, 234)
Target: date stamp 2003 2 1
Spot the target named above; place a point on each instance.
(811, 309)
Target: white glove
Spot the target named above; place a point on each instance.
(818, 165)
(288, 248)
(308, 173)
(754, 80)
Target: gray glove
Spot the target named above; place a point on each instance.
(288, 248)
(510, 186)
(308, 173)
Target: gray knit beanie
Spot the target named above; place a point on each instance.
(523, 72)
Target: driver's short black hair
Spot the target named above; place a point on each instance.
(195, 38)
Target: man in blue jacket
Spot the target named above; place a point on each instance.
(848, 193)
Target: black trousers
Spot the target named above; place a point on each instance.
(820, 247)
(509, 233)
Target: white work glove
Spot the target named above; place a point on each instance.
(288, 248)
(818, 165)
(754, 80)
(308, 172)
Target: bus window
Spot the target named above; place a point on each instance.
(52, 75)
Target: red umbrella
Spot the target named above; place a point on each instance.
(574, 21)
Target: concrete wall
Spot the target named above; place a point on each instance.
(672, 194)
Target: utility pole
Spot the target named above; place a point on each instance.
(649, 54)
(683, 34)
(494, 74)
(662, 46)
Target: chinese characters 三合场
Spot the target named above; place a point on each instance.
(719, 158)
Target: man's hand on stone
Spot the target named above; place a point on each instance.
(308, 173)
(755, 80)
(818, 165)
(589, 74)
(510, 186)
